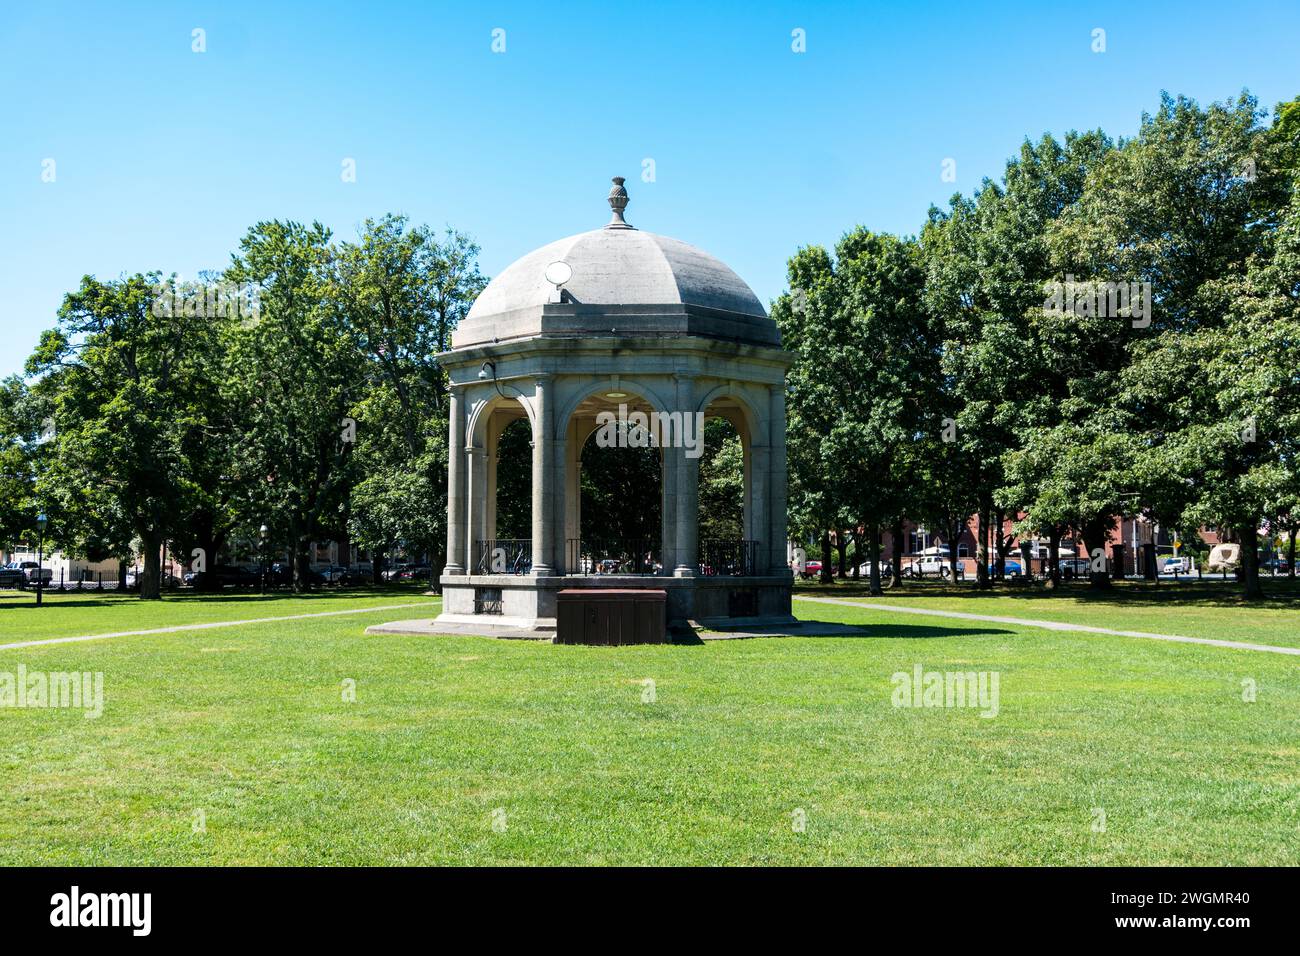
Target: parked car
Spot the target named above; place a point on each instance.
(1173, 565)
(886, 569)
(226, 575)
(165, 578)
(334, 574)
(811, 569)
(280, 574)
(1011, 568)
(933, 566)
(395, 572)
(12, 577)
(1224, 557)
(30, 569)
(1071, 568)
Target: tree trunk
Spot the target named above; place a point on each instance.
(1094, 537)
(377, 565)
(1250, 563)
(842, 548)
(301, 565)
(1051, 565)
(209, 546)
(150, 577)
(1000, 543)
(952, 551)
(982, 552)
(896, 572)
(1290, 554)
(825, 576)
(873, 547)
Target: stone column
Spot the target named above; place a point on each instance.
(668, 502)
(476, 509)
(688, 490)
(543, 480)
(776, 492)
(455, 484)
(572, 498)
(760, 506)
(558, 495)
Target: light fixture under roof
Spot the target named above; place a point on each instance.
(616, 394)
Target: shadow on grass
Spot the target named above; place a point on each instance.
(1208, 592)
(906, 631)
(838, 629)
(55, 599)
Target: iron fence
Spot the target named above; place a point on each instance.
(613, 556)
(503, 556)
(727, 557)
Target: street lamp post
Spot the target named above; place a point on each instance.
(41, 522)
(262, 534)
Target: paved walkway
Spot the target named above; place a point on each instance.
(1053, 625)
(210, 625)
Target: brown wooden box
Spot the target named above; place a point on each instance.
(611, 616)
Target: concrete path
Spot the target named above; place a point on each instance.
(1053, 625)
(210, 625)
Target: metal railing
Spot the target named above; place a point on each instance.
(727, 557)
(613, 556)
(503, 556)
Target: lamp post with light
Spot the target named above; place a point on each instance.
(262, 534)
(41, 522)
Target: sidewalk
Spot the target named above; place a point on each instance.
(1052, 625)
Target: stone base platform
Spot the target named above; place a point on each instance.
(519, 630)
(725, 629)
(529, 602)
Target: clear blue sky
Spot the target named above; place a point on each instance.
(164, 156)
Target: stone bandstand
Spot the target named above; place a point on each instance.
(561, 339)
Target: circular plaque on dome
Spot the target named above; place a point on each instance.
(558, 273)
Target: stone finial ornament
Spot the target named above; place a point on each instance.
(618, 202)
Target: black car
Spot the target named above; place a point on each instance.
(225, 575)
(280, 575)
(12, 577)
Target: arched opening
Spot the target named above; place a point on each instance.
(501, 489)
(728, 538)
(614, 501)
(514, 486)
(722, 482)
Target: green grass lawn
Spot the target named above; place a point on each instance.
(248, 725)
(77, 613)
(1213, 610)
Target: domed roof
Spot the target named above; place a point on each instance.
(619, 280)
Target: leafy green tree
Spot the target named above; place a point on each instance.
(298, 374)
(1183, 206)
(402, 291)
(858, 394)
(813, 494)
(722, 482)
(121, 387)
(20, 427)
(1005, 371)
